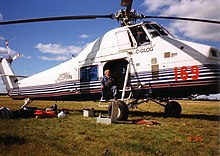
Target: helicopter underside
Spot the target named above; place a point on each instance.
(162, 84)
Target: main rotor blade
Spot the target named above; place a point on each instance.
(185, 19)
(55, 19)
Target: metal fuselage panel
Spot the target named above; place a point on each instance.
(165, 86)
(162, 67)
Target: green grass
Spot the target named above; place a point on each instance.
(78, 135)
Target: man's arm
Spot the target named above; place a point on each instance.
(103, 82)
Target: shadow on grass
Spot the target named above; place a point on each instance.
(9, 140)
(160, 114)
(188, 116)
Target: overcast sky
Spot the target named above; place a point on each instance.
(44, 45)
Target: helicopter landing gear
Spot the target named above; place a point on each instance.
(172, 109)
(122, 110)
(26, 102)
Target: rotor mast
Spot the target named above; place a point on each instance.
(127, 16)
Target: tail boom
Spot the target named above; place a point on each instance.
(8, 76)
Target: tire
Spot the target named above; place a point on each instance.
(122, 112)
(173, 109)
(5, 113)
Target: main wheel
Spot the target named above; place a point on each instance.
(122, 110)
(173, 109)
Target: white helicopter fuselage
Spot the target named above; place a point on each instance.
(162, 66)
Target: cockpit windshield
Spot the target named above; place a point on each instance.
(145, 32)
(155, 30)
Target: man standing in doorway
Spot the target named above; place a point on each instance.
(108, 86)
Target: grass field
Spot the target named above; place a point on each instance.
(195, 133)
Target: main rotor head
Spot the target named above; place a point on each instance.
(126, 17)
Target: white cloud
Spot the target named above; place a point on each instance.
(197, 31)
(1, 16)
(189, 8)
(26, 57)
(157, 5)
(62, 52)
(58, 49)
(83, 36)
(2, 38)
(56, 58)
(3, 50)
(4, 53)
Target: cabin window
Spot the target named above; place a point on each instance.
(173, 54)
(154, 61)
(89, 73)
(167, 55)
(214, 53)
(155, 71)
(123, 40)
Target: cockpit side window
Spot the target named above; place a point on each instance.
(159, 29)
(140, 35)
(153, 33)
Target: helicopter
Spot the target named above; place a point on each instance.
(157, 67)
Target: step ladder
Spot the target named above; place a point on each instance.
(124, 90)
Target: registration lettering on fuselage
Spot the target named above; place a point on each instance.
(144, 50)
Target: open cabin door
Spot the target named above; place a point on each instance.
(118, 71)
